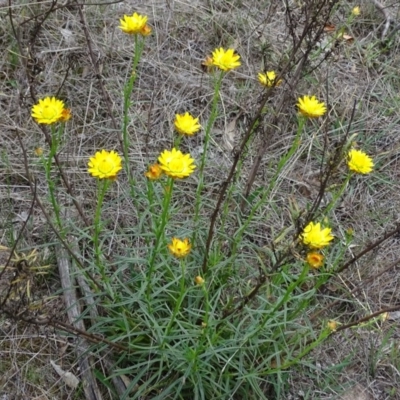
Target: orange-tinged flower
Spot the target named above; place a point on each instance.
(207, 64)
(310, 107)
(268, 79)
(176, 164)
(146, 30)
(316, 237)
(315, 260)
(134, 24)
(186, 124)
(48, 111)
(105, 164)
(65, 115)
(225, 59)
(179, 248)
(360, 162)
(154, 172)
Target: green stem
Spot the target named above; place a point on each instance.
(55, 139)
(102, 189)
(182, 293)
(139, 44)
(159, 233)
(210, 124)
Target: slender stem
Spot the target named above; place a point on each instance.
(102, 189)
(139, 44)
(210, 124)
(160, 230)
(56, 135)
(182, 293)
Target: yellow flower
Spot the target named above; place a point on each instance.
(359, 162)
(179, 248)
(268, 79)
(315, 260)
(154, 172)
(38, 151)
(105, 164)
(315, 237)
(48, 110)
(332, 325)
(134, 24)
(199, 280)
(225, 59)
(176, 164)
(356, 11)
(185, 124)
(65, 115)
(310, 107)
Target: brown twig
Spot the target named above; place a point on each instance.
(367, 318)
(355, 290)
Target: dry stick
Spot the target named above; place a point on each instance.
(90, 387)
(367, 318)
(386, 15)
(355, 290)
(360, 321)
(18, 237)
(369, 248)
(331, 168)
(68, 5)
(249, 132)
(91, 337)
(45, 132)
(12, 250)
(293, 84)
(388, 20)
(106, 96)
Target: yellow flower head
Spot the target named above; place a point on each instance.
(185, 124)
(359, 162)
(332, 325)
(154, 172)
(48, 111)
(310, 107)
(315, 260)
(315, 237)
(134, 24)
(268, 79)
(199, 280)
(356, 11)
(176, 164)
(179, 248)
(225, 59)
(105, 164)
(38, 151)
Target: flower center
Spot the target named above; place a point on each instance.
(106, 166)
(176, 165)
(48, 112)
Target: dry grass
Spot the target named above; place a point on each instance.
(170, 80)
